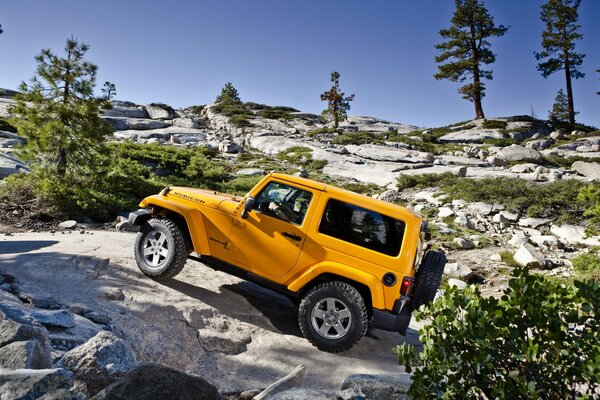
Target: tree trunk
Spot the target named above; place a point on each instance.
(570, 106)
(476, 78)
(477, 100)
(61, 163)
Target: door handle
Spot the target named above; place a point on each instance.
(292, 236)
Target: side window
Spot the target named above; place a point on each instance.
(283, 202)
(362, 227)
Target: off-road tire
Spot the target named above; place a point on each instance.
(177, 248)
(428, 278)
(347, 296)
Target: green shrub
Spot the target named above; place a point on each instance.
(587, 265)
(425, 180)
(301, 156)
(362, 188)
(360, 137)
(163, 106)
(197, 109)
(590, 196)
(508, 259)
(240, 185)
(276, 113)
(494, 124)
(499, 142)
(523, 118)
(240, 120)
(320, 131)
(541, 340)
(6, 126)
(558, 200)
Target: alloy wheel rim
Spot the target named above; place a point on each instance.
(155, 249)
(331, 318)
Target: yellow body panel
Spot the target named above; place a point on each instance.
(258, 244)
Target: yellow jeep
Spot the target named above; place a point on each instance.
(349, 259)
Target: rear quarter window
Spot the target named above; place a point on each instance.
(362, 227)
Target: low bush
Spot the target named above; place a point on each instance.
(558, 200)
(590, 196)
(424, 180)
(360, 137)
(164, 106)
(129, 173)
(499, 142)
(540, 340)
(493, 124)
(320, 131)
(587, 265)
(6, 126)
(301, 156)
(197, 109)
(508, 258)
(240, 120)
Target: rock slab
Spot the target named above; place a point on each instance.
(100, 361)
(389, 387)
(153, 381)
(33, 384)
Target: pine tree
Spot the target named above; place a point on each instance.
(229, 94)
(109, 90)
(1, 31)
(560, 108)
(338, 103)
(58, 114)
(558, 41)
(467, 48)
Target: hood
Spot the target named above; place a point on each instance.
(203, 197)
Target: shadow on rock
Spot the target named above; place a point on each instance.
(263, 308)
(25, 246)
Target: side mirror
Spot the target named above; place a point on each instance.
(248, 206)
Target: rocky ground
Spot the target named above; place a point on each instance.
(72, 285)
(226, 330)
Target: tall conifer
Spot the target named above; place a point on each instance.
(58, 114)
(558, 41)
(467, 49)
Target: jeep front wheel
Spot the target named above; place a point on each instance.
(160, 248)
(333, 316)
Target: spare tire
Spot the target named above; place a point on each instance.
(428, 278)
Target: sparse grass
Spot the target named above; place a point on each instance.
(508, 259)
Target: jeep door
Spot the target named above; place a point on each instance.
(269, 241)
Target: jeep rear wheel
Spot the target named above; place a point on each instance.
(333, 316)
(428, 278)
(161, 249)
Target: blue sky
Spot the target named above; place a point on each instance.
(282, 52)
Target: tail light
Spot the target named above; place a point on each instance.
(407, 285)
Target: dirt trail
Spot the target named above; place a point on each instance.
(232, 332)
